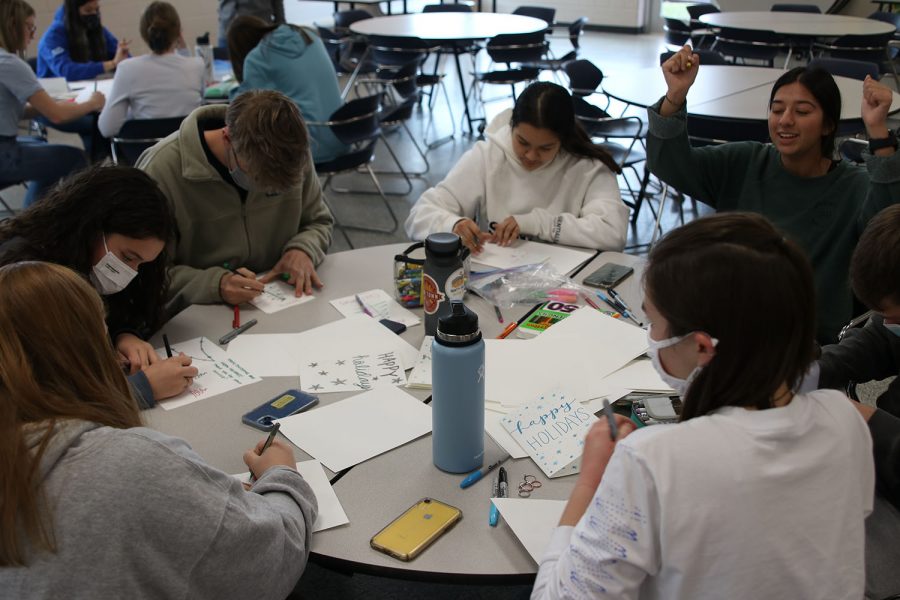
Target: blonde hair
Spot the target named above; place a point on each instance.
(56, 363)
(269, 136)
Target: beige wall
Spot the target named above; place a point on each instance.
(197, 16)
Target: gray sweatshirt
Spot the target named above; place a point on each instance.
(137, 514)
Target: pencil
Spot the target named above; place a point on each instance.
(269, 440)
(509, 328)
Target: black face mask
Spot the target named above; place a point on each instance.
(91, 22)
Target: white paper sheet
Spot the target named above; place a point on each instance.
(354, 430)
(494, 428)
(515, 369)
(56, 88)
(352, 372)
(87, 87)
(532, 520)
(218, 373)
(525, 252)
(379, 303)
(420, 376)
(331, 513)
(638, 375)
(274, 355)
(278, 295)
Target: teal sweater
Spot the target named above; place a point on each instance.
(824, 215)
(284, 62)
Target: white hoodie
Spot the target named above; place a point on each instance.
(570, 200)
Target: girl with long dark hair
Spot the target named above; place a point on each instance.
(111, 225)
(538, 174)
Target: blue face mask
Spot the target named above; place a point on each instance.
(239, 176)
(893, 328)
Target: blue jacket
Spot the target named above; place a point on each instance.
(53, 53)
(284, 62)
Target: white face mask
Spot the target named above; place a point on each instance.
(892, 327)
(110, 275)
(679, 385)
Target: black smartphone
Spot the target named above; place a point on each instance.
(289, 403)
(608, 276)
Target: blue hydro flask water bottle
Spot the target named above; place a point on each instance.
(457, 391)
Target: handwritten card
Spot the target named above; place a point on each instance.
(379, 303)
(352, 372)
(217, 372)
(331, 513)
(551, 430)
(525, 252)
(420, 376)
(278, 295)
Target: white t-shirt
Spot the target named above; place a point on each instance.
(736, 504)
(152, 86)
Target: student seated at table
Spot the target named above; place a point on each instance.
(77, 46)
(97, 506)
(270, 11)
(821, 203)
(291, 60)
(873, 353)
(158, 85)
(21, 95)
(537, 174)
(757, 492)
(241, 181)
(110, 225)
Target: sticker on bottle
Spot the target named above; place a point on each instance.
(431, 295)
(455, 287)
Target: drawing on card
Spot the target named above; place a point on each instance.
(355, 372)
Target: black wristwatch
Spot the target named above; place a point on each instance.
(889, 142)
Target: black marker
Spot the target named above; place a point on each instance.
(168, 347)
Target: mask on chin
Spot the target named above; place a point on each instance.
(676, 383)
(239, 176)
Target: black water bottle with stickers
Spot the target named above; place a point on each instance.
(443, 277)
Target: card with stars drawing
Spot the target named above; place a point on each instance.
(351, 372)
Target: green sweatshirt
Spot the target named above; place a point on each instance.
(216, 227)
(824, 215)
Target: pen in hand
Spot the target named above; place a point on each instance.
(265, 447)
(168, 347)
(611, 417)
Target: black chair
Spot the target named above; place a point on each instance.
(403, 82)
(855, 69)
(701, 34)
(707, 57)
(513, 49)
(555, 65)
(343, 19)
(544, 13)
(871, 48)
(391, 53)
(704, 131)
(585, 79)
(357, 124)
(797, 8)
(677, 33)
(851, 149)
(137, 135)
(748, 44)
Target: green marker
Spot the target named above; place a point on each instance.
(286, 276)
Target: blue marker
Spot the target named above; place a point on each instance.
(477, 475)
(494, 514)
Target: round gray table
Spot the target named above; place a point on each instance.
(726, 91)
(376, 491)
(450, 27)
(798, 24)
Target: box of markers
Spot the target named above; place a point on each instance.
(547, 315)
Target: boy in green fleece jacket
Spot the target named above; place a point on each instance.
(823, 205)
(242, 185)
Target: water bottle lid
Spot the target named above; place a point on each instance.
(443, 243)
(460, 326)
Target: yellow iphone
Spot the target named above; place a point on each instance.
(409, 534)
